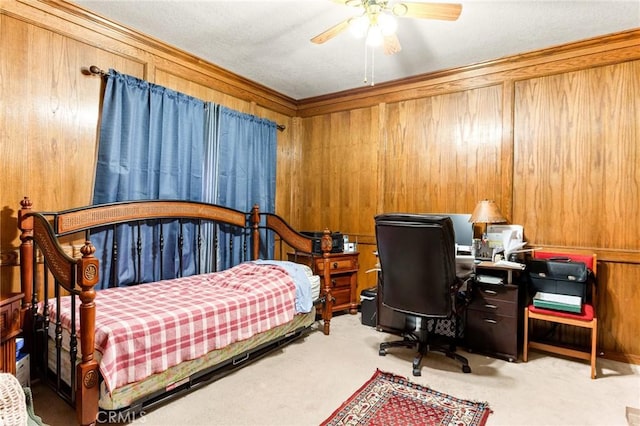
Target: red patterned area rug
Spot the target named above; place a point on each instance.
(387, 399)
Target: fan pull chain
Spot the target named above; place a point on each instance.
(365, 64)
(366, 56)
(373, 64)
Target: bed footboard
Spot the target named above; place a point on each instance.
(87, 393)
(76, 276)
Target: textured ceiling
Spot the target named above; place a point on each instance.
(268, 41)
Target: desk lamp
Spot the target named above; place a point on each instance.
(486, 211)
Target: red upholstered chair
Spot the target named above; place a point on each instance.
(586, 319)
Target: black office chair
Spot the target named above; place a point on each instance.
(418, 278)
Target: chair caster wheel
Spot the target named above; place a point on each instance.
(417, 372)
(382, 352)
(466, 369)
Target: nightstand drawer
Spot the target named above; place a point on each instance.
(338, 265)
(340, 282)
(10, 320)
(9, 328)
(342, 297)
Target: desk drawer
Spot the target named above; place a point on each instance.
(494, 305)
(507, 293)
(488, 332)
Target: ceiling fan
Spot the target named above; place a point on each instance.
(377, 20)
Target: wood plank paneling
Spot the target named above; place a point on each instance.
(339, 177)
(51, 118)
(618, 314)
(576, 138)
(339, 155)
(577, 184)
(557, 148)
(443, 153)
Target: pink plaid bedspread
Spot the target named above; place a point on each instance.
(145, 329)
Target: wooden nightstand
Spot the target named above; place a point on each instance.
(344, 276)
(9, 329)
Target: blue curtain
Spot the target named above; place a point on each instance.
(242, 149)
(209, 257)
(151, 146)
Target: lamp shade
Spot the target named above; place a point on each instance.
(487, 211)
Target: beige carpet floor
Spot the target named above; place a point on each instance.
(304, 382)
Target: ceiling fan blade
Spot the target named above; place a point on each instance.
(331, 32)
(391, 44)
(443, 11)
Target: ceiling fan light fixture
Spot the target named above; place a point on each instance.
(358, 26)
(374, 36)
(388, 24)
(376, 20)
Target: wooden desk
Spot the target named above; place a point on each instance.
(9, 330)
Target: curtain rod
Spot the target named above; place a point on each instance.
(95, 70)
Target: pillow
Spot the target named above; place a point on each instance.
(307, 269)
(301, 278)
(315, 286)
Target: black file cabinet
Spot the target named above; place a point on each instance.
(494, 317)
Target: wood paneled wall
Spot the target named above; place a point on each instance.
(552, 136)
(577, 181)
(577, 154)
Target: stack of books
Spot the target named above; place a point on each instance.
(558, 302)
